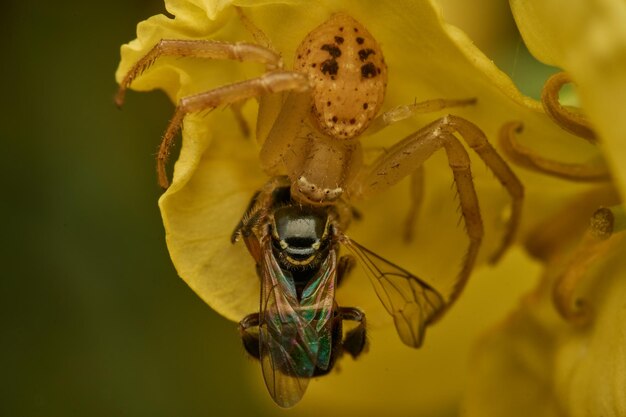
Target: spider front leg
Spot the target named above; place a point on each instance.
(239, 51)
(272, 82)
(399, 113)
(404, 157)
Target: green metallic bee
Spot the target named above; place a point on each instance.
(298, 332)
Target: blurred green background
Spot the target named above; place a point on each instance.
(95, 321)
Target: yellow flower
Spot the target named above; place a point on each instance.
(562, 352)
(543, 364)
(218, 170)
(587, 39)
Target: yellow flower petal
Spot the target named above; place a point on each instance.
(426, 60)
(588, 40)
(393, 380)
(218, 171)
(538, 364)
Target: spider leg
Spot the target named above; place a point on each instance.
(239, 51)
(477, 140)
(405, 156)
(403, 112)
(259, 36)
(400, 113)
(416, 192)
(416, 199)
(279, 130)
(271, 82)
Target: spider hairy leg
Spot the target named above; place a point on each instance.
(239, 51)
(405, 156)
(416, 198)
(271, 82)
(403, 112)
(477, 140)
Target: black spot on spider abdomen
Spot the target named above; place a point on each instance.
(369, 70)
(365, 53)
(333, 50)
(330, 67)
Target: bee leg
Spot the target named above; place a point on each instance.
(345, 265)
(250, 339)
(355, 340)
(234, 237)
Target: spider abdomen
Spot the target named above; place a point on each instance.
(346, 68)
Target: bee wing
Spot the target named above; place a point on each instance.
(291, 334)
(413, 303)
(317, 306)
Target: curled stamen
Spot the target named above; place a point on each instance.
(527, 158)
(568, 120)
(601, 236)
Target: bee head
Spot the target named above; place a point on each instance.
(300, 236)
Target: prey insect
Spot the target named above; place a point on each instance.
(311, 119)
(297, 333)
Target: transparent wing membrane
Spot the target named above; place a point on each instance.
(412, 302)
(294, 335)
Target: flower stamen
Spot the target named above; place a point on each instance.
(594, 170)
(567, 119)
(602, 235)
(591, 171)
